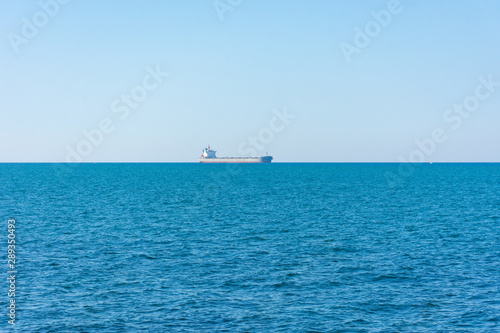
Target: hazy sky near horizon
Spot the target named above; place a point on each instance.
(429, 71)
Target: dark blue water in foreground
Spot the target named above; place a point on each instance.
(253, 248)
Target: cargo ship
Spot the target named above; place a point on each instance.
(208, 156)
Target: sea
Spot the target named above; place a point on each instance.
(280, 247)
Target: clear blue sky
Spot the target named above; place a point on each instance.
(227, 76)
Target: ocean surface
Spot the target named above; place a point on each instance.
(253, 248)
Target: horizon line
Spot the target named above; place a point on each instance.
(284, 162)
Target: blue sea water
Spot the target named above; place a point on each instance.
(253, 248)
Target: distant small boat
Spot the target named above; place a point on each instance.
(208, 156)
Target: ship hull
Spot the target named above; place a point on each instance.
(263, 159)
